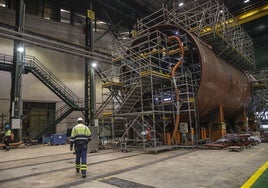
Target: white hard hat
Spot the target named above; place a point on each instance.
(80, 119)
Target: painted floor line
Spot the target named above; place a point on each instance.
(255, 176)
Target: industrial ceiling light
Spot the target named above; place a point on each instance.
(94, 64)
(63, 10)
(20, 49)
(181, 4)
(246, 1)
(101, 22)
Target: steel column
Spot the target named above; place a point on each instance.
(18, 59)
(89, 71)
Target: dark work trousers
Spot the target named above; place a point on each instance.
(6, 142)
(81, 158)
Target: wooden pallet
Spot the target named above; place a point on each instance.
(236, 148)
(213, 146)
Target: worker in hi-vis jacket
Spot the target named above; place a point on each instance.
(79, 138)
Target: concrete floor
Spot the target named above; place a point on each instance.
(53, 166)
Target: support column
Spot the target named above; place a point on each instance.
(245, 120)
(90, 101)
(92, 95)
(18, 60)
(222, 125)
(221, 113)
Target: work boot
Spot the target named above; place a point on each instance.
(77, 170)
(84, 175)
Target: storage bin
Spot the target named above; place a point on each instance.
(57, 139)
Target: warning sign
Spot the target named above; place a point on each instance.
(91, 14)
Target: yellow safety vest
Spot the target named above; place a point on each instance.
(80, 133)
(8, 132)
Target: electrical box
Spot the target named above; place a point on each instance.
(16, 123)
(94, 143)
(183, 127)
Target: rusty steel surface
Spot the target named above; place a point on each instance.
(220, 84)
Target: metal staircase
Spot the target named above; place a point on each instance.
(102, 76)
(138, 117)
(60, 114)
(103, 105)
(130, 99)
(6, 62)
(158, 121)
(141, 67)
(126, 104)
(41, 72)
(72, 101)
(113, 92)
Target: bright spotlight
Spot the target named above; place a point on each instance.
(20, 49)
(181, 4)
(94, 64)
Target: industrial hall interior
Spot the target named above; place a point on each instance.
(174, 92)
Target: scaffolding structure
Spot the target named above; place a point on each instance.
(211, 22)
(138, 77)
(139, 100)
(259, 81)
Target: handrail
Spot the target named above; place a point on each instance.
(103, 105)
(52, 120)
(35, 63)
(131, 90)
(6, 58)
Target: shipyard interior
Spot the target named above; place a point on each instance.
(175, 92)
